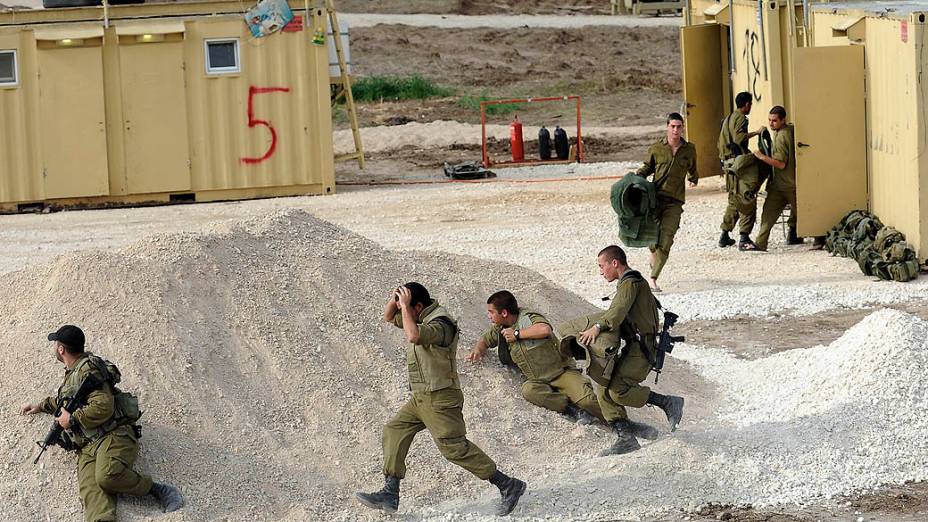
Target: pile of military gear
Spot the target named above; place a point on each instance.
(880, 251)
(467, 170)
(634, 199)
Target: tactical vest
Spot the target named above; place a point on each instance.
(880, 251)
(125, 405)
(539, 359)
(433, 367)
(634, 200)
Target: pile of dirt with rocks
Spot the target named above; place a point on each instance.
(265, 370)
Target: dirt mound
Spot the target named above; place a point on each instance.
(264, 370)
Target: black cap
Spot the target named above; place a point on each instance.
(69, 335)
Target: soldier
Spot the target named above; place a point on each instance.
(781, 188)
(733, 142)
(436, 403)
(632, 314)
(671, 160)
(106, 441)
(527, 340)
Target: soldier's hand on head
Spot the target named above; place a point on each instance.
(29, 409)
(509, 334)
(64, 419)
(405, 296)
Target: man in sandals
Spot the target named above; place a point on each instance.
(672, 161)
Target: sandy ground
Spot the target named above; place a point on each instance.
(507, 22)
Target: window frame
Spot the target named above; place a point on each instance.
(217, 71)
(15, 82)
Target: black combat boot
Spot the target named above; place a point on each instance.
(672, 406)
(792, 238)
(387, 499)
(578, 415)
(168, 496)
(511, 490)
(625, 441)
(643, 431)
(725, 240)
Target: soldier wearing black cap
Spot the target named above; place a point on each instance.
(102, 431)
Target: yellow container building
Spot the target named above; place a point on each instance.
(160, 102)
(849, 76)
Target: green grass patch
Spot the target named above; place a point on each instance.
(394, 88)
(473, 103)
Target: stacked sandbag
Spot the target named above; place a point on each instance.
(880, 251)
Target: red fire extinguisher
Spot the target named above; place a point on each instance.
(515, 140)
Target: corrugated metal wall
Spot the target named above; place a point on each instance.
(895, 121)
(163, 124)
(20, 166)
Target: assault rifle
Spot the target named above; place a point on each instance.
(665, 342)
(69, 404)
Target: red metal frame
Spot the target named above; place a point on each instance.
(483, 129)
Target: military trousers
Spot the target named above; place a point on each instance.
(776, 201)
(568, 387)
(632, 369)
(668, 212)
(440, 412)
(104, 470)
(738, 210)
(625, 390)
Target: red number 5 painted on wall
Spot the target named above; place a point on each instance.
(253, 122)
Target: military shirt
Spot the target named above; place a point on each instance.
(734, 130)
(431, 363)
(671, 170)
(784, 150)
(539, 359)
(100, 405)
(633, 300)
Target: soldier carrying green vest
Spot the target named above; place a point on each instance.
(552, 381)
(103, 435)
(672, 162)
(733, 142)
(633, 318)
(436, 404)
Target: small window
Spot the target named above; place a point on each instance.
(8, 75)
(222, 56)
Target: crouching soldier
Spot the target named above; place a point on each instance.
(436, 404)
(633, 315)
(527, 340)
(104, 435)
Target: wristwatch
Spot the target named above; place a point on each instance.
(516, 334)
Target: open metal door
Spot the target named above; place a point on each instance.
(831, 156)
(703, 92)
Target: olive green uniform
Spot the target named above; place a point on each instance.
(735, 130)
(436, 403)
(107, 450)
(781, 188)
(635, 303)
(552, 381)
(670, 173)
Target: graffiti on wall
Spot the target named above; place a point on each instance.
(752, 57)
(254, 122)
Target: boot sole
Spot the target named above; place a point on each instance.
(521, 487)
(374, 505)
